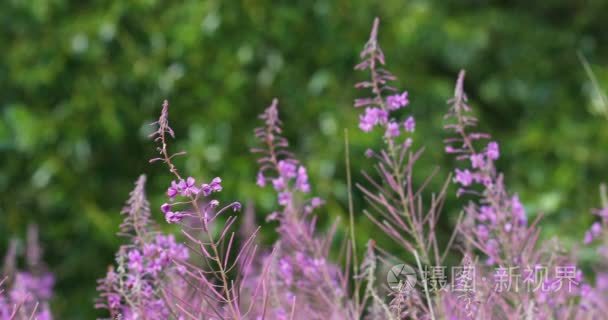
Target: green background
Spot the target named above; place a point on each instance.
(81, 80)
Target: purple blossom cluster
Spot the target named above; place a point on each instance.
(25, 294)
(133, 289)
(188, 189)
(385, 100)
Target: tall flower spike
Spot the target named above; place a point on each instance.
(137, 212)
(213, 284)
(395, 203)
(497, 223)
(384, 99)
(301, 269)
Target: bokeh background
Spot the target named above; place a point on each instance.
(81, 80)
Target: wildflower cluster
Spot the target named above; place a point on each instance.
(211, 271)
(25, 294)
(188, 189)
(144, 267)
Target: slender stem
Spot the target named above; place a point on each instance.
(426, 289)
(351, 216)
(395, 160)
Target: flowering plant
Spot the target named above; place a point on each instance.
(28, 291)
(217, 268)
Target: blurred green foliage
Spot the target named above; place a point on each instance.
(81, 80)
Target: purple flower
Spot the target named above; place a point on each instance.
(173, 190)
(519, 212)
(450, 149)
(492, 150)
(284, 198)
(372, 117)
(369, 153)
(397, 101)
(287, 169)
(477, 161)
(596, 229)
(482, 232)
(594, 232)
(286, 270)
(392, 130)
(601, 281)
(165, 208)
(213, 186)
(216, 185)
(408, 143)
(184, 188)
(487, 213)
(236, 207)
(316, 202)
(278, 183)
(463, 177)
(261, 180)
(365, 125)
(135, 261)
(302, 180)
(188, 187)
(174, 217)
(410, 124)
